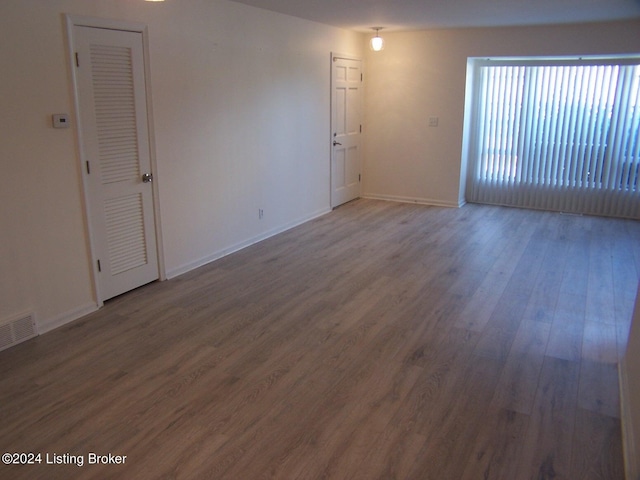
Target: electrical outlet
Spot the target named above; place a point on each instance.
(60, 120)
(433, 121)
(260, 214)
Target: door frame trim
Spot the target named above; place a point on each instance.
(72, 21)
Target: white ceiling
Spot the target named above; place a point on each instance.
(361, 15)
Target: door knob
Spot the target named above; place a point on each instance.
(336, 143)
(147, 177)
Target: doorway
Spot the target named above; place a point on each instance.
(346, 128)
(110, 83)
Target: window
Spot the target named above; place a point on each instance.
(557, 136)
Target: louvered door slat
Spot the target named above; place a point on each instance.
(125, 233)
(115, 108)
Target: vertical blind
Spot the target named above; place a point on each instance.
(557, 137)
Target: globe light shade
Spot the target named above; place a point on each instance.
(377, 43)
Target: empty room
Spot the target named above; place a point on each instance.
(340, 239)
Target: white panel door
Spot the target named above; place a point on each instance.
(114, 139)
(346, 130)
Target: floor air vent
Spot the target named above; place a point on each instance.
(17, 330)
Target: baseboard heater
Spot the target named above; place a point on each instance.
(16, 330)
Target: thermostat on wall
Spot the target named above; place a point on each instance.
(60, 120)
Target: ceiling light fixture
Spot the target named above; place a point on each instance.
(377, 42)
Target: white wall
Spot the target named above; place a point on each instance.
(422, 74)
(630, 396)
(241, 114)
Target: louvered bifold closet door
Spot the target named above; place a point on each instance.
(557, 137)
(117, 148)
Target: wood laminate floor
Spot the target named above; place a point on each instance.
(380, 341)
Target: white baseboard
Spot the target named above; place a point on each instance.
(48, 324)
(239, 246)
(419, 201)
(632, 472)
